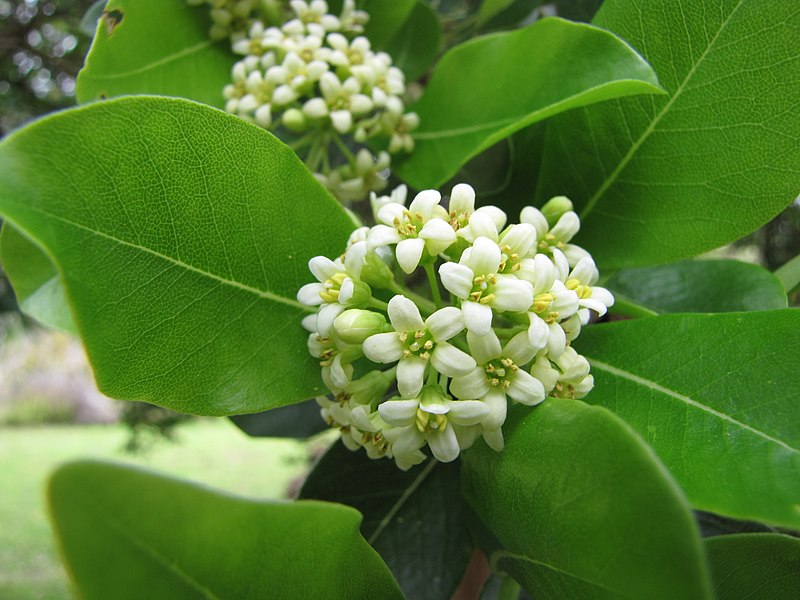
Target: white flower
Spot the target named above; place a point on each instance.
(397, 196)
(430, 418)
(415, 343)
(422, 226)
(580, 280)
(476, 281)
(499, 370)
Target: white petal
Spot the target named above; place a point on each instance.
(399, 412)
(470, 386)
(574, 253)
(326, 316)
(404, 314)
(323, 268)
(383, 348)
(497, 216)
(480, 225)
(309, 294)
(467, 412)
(585, 271)
(410, 376)
(341, 373)
(445, 323)
(535, 217)
(543, 370)
(520, 238)
(525, 388)
(538, 332)
(496, 401)
(424, 202)
(444, 444)
(484, 347)
(342, 120)
(494, 439)
(561, 263)
(519, 349)
(309, 323)
(354, 259)
(382, 235)
(477, 317)
(556, 341)
(438, 236)
(544, 272)
(603, 295)
(316, 108)
(484, 257)
(450, 361)
(512, 294)
(389, 212)
(568, 225)
(462, 199)
(457, 279)
(409, 253)
(408, 442)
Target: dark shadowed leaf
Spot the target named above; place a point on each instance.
(296, 421)
(414, 519)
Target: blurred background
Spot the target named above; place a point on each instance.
(50, 410)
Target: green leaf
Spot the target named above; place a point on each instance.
(157, 47)
(126, 534)
(385, 19)
(414, 519)
(484, 90)
(416, 44)
(789, 274)
(489, 9)
(35, 280)
(182, 235)
(299, 421)
(660, 178)
(700, 286)
(763, 565)
(716, 397)
(581, 508)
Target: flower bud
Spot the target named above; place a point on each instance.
(555, 207)
(376, 272)
(294, 120)
(370, 388)
(355, 325)
(354, 293)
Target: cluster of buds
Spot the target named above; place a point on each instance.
(227, 16)
(408, 371)
(322, 88)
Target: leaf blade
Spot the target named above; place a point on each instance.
(182, 541)
(198, 236)
(466, 107)
(712, 161)
(686, 383)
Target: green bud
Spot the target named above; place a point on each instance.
(556, 207)
(354, 293)
(370, 387)
(376, 272)
(295, 121)
(355, 325)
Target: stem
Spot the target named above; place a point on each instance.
(509, 331)
(437, 295)
(629, 308)
(345, 150)
(379, 304)
(509, 589)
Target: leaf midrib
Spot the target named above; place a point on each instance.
(609, 181)
(156, 63)
(230, 282)
(686, 399)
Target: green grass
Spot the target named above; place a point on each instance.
(214, 453)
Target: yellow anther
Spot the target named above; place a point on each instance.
(478, 280)
(441, 421)
(542, 302)
(425, 355)
(414, 347)
(486, 299)
(338, 278)
(475, 296)
(422, 419)
(419, 334)
(329, 295)
(404, 336)
(571, 284)
(507, 362)
(407, 354)
(428, 345)
(494, 382)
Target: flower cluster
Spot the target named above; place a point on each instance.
(227, 16)
(322, 87)
(405, 370)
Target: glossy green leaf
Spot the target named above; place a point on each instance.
(660, 178)
(581, 508)
(489, 9)
(789, 274)
(182, 235)
(128, 534)
(415, 45)
(716, 397)
(748, 566)
(299, 421)
(484, 90)
(415, 519)
(700, 286)
(385, 19)
(40, 293)
(156, 47)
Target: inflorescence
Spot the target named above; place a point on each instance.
(318, 84)
(406, 370)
